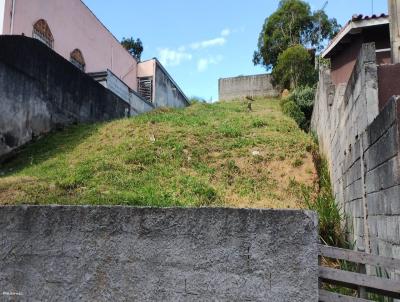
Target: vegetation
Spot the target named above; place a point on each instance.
(205, 155)
(299, 106)
(294, 68)
(293, 23)
(134, 47)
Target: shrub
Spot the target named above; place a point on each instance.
(304, 98)
(291, 109)
(299, 106)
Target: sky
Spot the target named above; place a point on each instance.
(201, 41)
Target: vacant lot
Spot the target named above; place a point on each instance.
(205, 155)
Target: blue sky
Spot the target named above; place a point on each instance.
(202, 41)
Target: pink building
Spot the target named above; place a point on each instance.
(71, 29)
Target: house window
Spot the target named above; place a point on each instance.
(42, 32)
(77, 59)
(145, 88)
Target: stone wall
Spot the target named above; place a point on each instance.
(40, 91)
(361, 144)
(144, 254)
(242, 86)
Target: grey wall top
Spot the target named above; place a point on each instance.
(143, 254)
(242, 86)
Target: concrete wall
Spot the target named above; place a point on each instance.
(137, 103)
(362, 147)
(144, 254)
(40, 90)
(166, 92)
(73, 26)
(242, 86)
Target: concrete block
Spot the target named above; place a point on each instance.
(353, 191)
(382, 123)
(144, 254)
(377, 155)
(384, 202)
(383, 177)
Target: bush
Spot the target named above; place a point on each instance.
(304, 98)
(299, 106)
(291, 109)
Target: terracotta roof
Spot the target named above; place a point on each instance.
(357, 21)
(362, 17)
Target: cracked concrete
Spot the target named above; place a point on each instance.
(58, 253)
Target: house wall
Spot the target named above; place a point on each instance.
(73, 26)
(41, 91)
(344, 60)
(242, 86)
(2, 7)
(388, 81)
(148, 69)
(362, 146)
(58, 253)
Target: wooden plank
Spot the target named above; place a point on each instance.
(358, 257)
(386, 287)
(325, 296)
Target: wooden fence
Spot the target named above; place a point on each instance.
(359, 281)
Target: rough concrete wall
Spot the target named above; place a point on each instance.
(166, 92)
(40, 91)
(144, 254)
(242, 86)
(362, 145)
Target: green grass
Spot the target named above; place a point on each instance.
(204, 155)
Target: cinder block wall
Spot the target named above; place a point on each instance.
(144, 254)
(242, 86)
(362, 147)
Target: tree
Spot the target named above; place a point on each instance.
(294, 68)
(291, 24)
(134, 47)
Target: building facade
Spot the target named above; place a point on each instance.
(71, 29)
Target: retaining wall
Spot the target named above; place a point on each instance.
(40, 91)
(362, 147)
(242, 86)
(143, 254)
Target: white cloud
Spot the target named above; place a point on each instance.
(169, 57)
(203, 63)
(226, 32)
(209, 43)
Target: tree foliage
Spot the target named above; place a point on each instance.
(134, 47)
(294, 68)
(291, 24)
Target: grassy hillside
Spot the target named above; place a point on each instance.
(205, 155)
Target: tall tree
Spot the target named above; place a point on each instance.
(291, 24)
(294, 68)
(135, 47)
